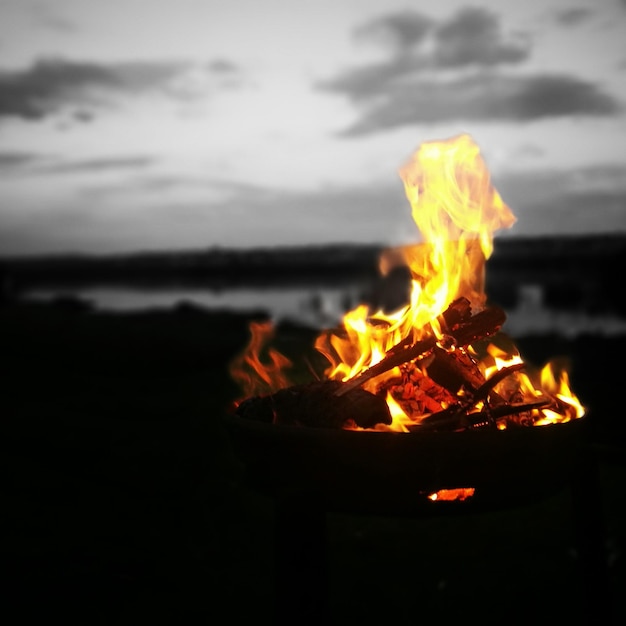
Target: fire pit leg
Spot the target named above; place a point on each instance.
(301, 575)
(590, 539)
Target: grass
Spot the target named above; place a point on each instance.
(124, 502)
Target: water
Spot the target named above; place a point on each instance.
(315, 306)
(323, 307)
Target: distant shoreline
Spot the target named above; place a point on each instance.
(567, 263)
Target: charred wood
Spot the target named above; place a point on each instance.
(456, 417)
(460, 328)
(455, 369)
(315, 405)
(486, 389)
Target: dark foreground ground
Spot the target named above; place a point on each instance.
(123, 501)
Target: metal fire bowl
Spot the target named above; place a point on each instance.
(390, 473)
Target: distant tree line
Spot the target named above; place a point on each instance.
(571, 271)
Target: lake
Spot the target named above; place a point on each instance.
(323, 306)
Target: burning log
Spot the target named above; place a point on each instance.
(455, 369)
(457, 417)
(316, 405)
(460, 325)
(461, 415)
(487, 387)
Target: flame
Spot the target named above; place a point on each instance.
(254, 376)
(457, 211)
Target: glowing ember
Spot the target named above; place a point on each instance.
(449, 495)
(447, 383)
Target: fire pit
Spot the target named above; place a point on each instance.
(387, 473)
(426, 410)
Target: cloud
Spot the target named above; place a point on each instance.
(10, 160)
(573, 16)
(487, 98)
(473, 36)
(403, 30)
(452, 70)
(35, 163)
(550, 95)
(95, 165)
(50, 85)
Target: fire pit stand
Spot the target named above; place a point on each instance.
(311, 472)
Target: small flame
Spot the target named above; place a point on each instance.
(457, 210)
(254, 376)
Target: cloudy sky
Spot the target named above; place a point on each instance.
(170, 124)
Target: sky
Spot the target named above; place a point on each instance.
(135, 125)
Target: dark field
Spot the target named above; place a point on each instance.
(123, 501)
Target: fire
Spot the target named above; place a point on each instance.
(457, 211)
(256, 377)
